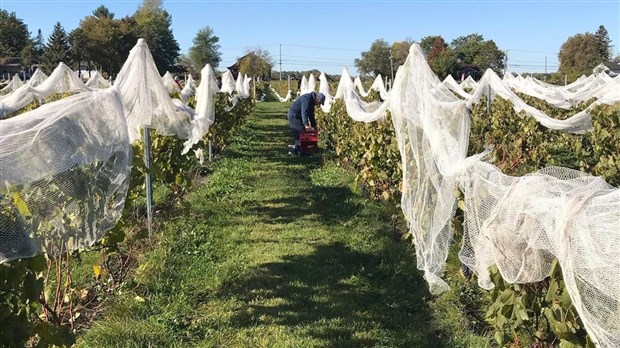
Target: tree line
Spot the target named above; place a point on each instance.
(578, 55)
(103, 42)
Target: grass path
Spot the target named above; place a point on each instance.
(280, 251)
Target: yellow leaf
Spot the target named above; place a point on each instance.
(97, 270)
(138, 299)
(21, 205)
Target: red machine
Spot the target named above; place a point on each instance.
(309, 141)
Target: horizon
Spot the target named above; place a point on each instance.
(296, 34)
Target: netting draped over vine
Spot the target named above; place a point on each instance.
(205, 107)
(62, 80)
(64, 171)
(145, 98)
(189, 89)
(14, 84)
(520, 224)
(96, 81)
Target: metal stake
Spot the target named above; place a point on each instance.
(149, 182)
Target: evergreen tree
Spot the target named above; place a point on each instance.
(103, 12)
(205, 49)
(603, 43)
(39, 47)
(57, 49)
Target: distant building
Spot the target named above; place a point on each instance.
(611, 68)
(465, 70)
(11, 67)
(234, 69)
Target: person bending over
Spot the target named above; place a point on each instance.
(301, 116)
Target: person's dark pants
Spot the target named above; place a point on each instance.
(296, 127)
(296, 134)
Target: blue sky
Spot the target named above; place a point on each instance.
(329, 35)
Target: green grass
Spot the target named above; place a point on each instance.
(280, 251)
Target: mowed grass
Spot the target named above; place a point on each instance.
(280, 251)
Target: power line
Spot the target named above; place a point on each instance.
(325, 48)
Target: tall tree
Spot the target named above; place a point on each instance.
(438, 46)
(426, 43)
(579, 55)
(490, 57)
(14, 35)
(154, 25)
(444, 62)
(473, 49)
(205, 49)
(603, 43)
(79, 42)
(400, 51)
(376, 60)
(257, 62)
(103, 12)
(57, 49)
(39, 47)
(107, 41)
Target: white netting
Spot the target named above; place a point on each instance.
(228, 83)
(289, 95)
(243, 90)
(171, 85)
(357, 82)
(64, 173)
(37, 78)
(451, 83)
(491, 84)
(303, 86)
(189, 89)
(519, 224)
(469, 82)
(205, 107)
(96, 81)
(13, 85)
(145, 98)
(62, 80)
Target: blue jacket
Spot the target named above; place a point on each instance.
(301, 113)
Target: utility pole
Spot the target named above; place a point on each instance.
(545, 68)
(392, 65)
(280, 62)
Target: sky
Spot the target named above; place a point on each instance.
(330, 35)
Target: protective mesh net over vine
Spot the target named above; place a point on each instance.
(520, 224)
(64, 173)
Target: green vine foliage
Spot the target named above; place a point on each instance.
(370, 148)
(23, 283)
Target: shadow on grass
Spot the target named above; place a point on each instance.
(340, 296)
(330, 205)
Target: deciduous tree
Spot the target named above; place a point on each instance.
(154, 25)
(257, 62)
(14, 35)
(376, 60)
(579, 55)
(426, 43)
(400, 51)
